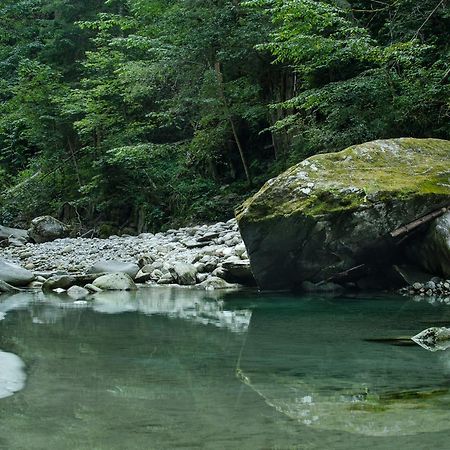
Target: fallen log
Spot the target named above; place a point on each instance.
(405, 229)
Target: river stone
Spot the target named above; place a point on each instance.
(58, 282)
(115, 282)
(15, 233)
(92, 289)
(114, 266)
(14, 274)
(238, 271)
(46, 229)
(213, 283)
(433, 339)
(183, 273)
(334, 211)
(77, 292)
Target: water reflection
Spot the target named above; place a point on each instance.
(206, 308)
(131, 365)
(324, 374)
(184, 304)
(12, 374)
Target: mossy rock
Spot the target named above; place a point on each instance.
(333, 211)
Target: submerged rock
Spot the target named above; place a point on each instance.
(433, 339)
(335, 211)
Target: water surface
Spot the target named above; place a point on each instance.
(166, 368)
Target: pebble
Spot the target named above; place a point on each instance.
(206, 246)
(436, 290)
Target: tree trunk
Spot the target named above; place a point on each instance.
(232, 124)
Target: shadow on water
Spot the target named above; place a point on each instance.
(167, 368)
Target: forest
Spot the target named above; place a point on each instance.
(149, 114)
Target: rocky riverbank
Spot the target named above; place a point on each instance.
(209, 256)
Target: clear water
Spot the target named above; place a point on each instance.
(166, 369)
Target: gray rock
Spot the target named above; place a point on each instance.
(46, 229)
(207, 237)
(220, 272)
(433, 339)
(113, 266)
(142, 277)
(115, 282)
(92, 289)
(77, 292)
(213, 283)
(14, 274)
(239, 271)
(335, 211)
(201, 277)
(14, 242)
(145, 260)
(184, 274)
(167, 278)
(59, 282)
(16, 233)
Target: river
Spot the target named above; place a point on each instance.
(169, 368)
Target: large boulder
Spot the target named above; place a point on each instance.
(113, 266)
(14, 274)
(46, 229)
(333, 212)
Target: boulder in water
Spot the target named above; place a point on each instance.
(335, 211)
(433, 339)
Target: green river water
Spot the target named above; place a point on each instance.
(180, 368)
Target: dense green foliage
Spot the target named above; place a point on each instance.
(149, 113)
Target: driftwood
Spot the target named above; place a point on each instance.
(405, 229)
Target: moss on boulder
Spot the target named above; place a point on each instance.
(332, 211)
